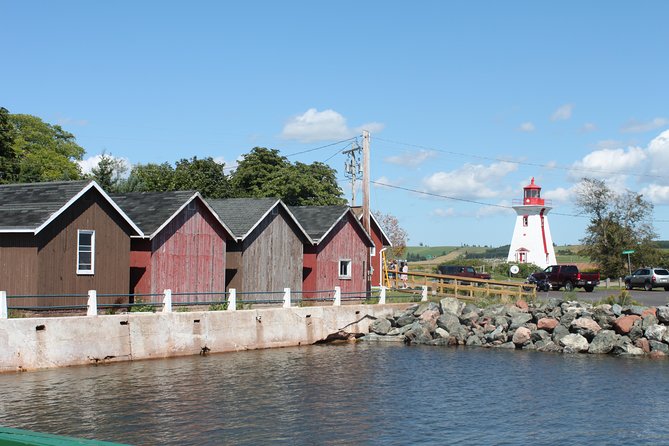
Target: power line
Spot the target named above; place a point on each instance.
(524, 163)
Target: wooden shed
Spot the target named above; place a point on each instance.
(63, 238)
(183, 246)
(338, 254)
(381, 243)
(267, 253)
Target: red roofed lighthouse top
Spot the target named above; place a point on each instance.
(532, 194)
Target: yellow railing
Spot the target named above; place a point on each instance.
(463, 287)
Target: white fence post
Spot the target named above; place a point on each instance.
(424, 294)
(92, 309)
(337, 297)
(167, 301)
(286, 298)
(232, 299)
(3, 305)
(382, 296)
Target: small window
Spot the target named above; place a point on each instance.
(345, 269)
(85, 251)
(525, 218)
(372, 251)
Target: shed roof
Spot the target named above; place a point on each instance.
(357, 210)
(318, 221)
(152, 211)
(29, 207)
(242, 215)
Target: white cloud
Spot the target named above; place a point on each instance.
(559, 195)
(562, 113)
(88, 164)
(656, 193)
(411, 159)
(385, 182)
(326, 125)
(588, 127)
(526, 127)
(609, 164)
(634, 126)
(471, 181)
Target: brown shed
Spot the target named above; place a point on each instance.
(266, 255)
(63, 238)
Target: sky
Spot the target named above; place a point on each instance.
(465, 101)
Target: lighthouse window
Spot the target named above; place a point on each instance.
(524, 220)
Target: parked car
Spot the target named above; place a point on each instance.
(567, 277)
(462, 271)
(648, 278)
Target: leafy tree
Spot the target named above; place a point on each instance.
(397, 235)
(255, 173)
(150, 178)
(44, 152)
(204, 175)
(8, 158)
(108, 172)
(618, 222)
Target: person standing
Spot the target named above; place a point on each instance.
(404, 276)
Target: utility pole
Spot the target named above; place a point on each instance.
(365, 182)
(352, 167)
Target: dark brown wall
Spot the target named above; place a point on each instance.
(18, 264)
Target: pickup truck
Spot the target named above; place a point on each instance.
(567, 277)
(462, 271)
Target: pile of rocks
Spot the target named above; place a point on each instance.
(552, 326)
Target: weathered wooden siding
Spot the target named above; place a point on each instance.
(57, 253)
(345, 241)
(18, 265)
(188, 255)
(272, 256)
(377, 259)
(140, 266)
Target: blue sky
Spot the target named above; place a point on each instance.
(466, 100)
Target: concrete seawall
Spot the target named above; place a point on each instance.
(38, 343)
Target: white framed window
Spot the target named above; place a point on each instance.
(525, 219)
(345, 268)
(372, 251)
(85, 251)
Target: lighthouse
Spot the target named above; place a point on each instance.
(532, 242)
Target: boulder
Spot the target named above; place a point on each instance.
(603, 342)
(519, 320)
(574, 343)
(662, 314)
(405, 319)
(380, 326)
(540, 335)
(522, 305)
(655, 332)
(636, 331)
(509, 345)
(559, 332)
(586, 327)
(627, 349)
(499, 334)
(635, 309)
(547, 323)
(567, 318)
(547, 346)
(474, 341)
(469, 318)
(429, 317)
(643, 344)
(418, 334)
(426, 306)
(657, 346)
(623, 324)
(399, 330)
(616, 309)
(441, 333)
(452, 305)
(522, 336)
(648, 320)
(470, 307)
(378, 338)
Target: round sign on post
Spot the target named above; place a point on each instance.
(514, 269)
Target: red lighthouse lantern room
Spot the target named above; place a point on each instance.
(532, 194)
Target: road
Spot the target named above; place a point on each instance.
(653, 298)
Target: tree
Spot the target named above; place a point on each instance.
(109, 172)
(150, 178)
(264, 173)
(44, 152)
(204, 175)
(618, 222)
(397, 235)
(8, 158)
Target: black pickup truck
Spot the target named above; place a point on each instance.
(462, 271)
(567, 277)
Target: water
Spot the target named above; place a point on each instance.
(368, 394)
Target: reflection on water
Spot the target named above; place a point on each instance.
(350, 394)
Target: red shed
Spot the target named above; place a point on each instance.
(183, 247)
(381, 243)
(337, 255)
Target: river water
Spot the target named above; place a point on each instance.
(364, 393)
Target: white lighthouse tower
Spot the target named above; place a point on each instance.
(532, 241)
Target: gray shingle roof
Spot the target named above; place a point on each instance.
(318, 220)
(28, 206)
(241, 214)
(150, 210)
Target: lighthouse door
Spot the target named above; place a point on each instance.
(522, 257)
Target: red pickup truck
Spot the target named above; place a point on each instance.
(569, 277)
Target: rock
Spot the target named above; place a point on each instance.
(649, 311)
(559, 332)
(418, 334)
(636, 331)
(567, 318)
(522, 336)
(643, 344)
(657, 346)
(501, 321)
(586, 327)
(553, 302)
(509, 345)
(655, 332)
(452, 305)
(662, 314)
(496, 335)
(519, 320)
(657, 354)
(574, 343)
(635, 309)
(441, 333)
(623, 324)
(547, 346)
(380, 326)
(547, 323)
(648, 320)
(448, 321)
(440, 342)
(405, 319)
(522, 305)
(399, 330)
(616, 309)
(473, 341)
(603, 342)
(540, 335)
(378, 338)
(469, 318)
(627, 350)
(470, 307)
(426, 306)
(556, 313)
(429, 317)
